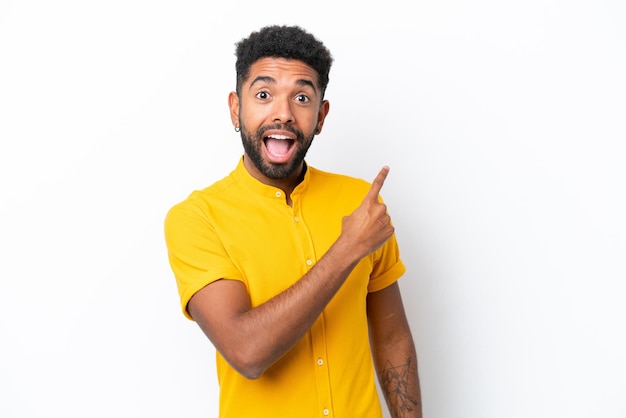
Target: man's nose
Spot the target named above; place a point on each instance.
(282, 110)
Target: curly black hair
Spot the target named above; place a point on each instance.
(290, 42)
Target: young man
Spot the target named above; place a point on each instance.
(290, 271)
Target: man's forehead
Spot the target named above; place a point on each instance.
(275, 68)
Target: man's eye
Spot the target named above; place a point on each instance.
(302, 98)
(262, 95)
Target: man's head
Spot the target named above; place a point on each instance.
(279, 105)
(291, 42)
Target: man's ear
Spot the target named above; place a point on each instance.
(233, 104)
(321, 116)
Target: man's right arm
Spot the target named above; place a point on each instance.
(250, 338)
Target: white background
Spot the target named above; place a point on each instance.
(503, 124)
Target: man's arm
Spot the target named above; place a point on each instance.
(252, 339)
(394, 353)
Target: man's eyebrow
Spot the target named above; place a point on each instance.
(303, 82)
(263, 78)
(271, 80)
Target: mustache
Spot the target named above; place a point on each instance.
(280, 126)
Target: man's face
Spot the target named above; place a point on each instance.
(279, 111)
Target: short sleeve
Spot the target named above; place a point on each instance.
(388, 267)
(195, 252)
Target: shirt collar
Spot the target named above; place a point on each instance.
(242, 174)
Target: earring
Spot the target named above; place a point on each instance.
(237, 128)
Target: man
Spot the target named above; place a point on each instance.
(290, 271)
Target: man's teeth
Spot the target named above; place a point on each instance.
(278, 137)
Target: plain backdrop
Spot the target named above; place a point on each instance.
(503, 123)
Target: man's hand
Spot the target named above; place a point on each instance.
(369, 226)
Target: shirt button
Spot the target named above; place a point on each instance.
(278, 194)
(309, 262)
(296, 219)
(326, 411)
(320, 361)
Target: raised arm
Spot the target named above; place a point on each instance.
(252, 339)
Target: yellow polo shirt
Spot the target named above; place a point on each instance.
(241, 229)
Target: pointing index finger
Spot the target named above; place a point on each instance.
(377, 184)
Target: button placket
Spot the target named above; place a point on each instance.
(318, 360)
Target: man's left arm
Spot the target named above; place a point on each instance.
(394, 353)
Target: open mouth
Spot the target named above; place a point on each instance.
(278, 147)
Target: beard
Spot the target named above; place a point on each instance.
(253, 145)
